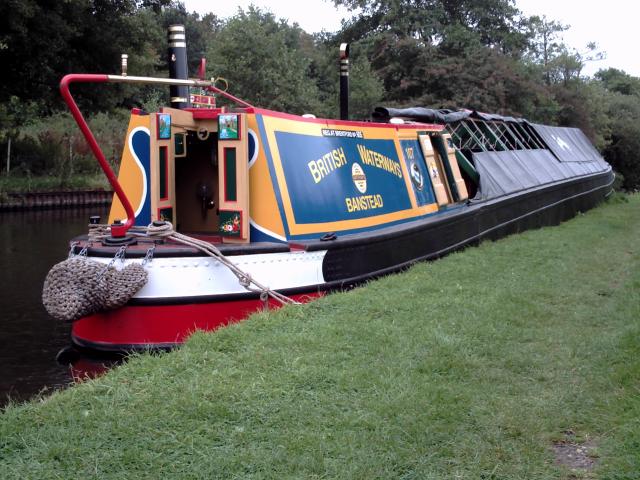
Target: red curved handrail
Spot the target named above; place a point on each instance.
(121, 230)
(116, 230)
(224, 93)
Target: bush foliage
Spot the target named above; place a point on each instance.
(478, 54)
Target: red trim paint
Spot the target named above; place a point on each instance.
(239, 101)
(116, 230)
(159, 212)
(163, 325)
(207, 237)
(350, 123)
(204, 113)
(212, 113)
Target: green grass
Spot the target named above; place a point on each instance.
(47, 183)
(468, 367)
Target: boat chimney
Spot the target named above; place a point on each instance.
(178, 65)
(123, 63)
(344, 81)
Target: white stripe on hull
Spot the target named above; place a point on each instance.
(178, 277)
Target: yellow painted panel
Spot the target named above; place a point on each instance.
(264, 213)
(130, 175)
(455, 169)
(240, 149)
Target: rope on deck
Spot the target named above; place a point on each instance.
(165, 230)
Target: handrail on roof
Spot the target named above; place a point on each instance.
(121, 230)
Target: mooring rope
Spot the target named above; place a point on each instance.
(165, 230)
(98, 232)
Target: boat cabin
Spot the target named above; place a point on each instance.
(247, 174)
(188, 167)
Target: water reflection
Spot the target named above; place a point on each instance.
(86, 365)
(30, 243)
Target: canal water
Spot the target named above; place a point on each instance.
(31, 243)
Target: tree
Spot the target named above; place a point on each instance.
(263, 63)
(445, 53)
(618, 81)
(545, 43)
(494, 22)
(623, 151)
(621, 93)
(43, 40)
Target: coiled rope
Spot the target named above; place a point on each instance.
(164, 230)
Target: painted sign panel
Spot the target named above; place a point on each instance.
(205, 100)
(331, 178)
(231, 223)
(417, 168)
(164, 126)
(228, 127)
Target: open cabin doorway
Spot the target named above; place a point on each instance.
(196, 177)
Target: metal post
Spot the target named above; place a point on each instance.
(70, 156)
(8, 155)
(344, 81)
(123, 63)
(178, 65)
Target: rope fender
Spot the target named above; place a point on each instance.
(78, 286)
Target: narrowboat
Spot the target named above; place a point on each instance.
(219, 211)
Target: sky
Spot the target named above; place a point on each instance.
(611, 24)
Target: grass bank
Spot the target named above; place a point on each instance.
(49, 183)
(469, 367)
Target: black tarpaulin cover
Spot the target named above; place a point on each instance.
(510, 171)
(570, 154)
(443, 116)
(568, 144)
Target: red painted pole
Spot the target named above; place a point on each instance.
(116, 230)
(229, 96)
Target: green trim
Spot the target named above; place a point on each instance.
(163, 174)
(230, 175)
(467, 167)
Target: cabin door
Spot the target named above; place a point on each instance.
(447, 152)
(196, 177)
(436, 171)
(233, 177)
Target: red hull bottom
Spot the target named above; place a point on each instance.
(140, 327)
